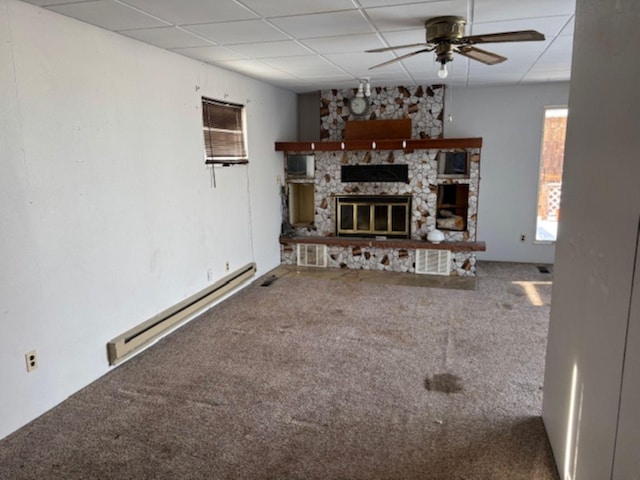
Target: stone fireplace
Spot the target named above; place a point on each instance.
(378, 189)
(422, 188)
(380, 225)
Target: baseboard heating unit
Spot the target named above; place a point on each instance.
(125, 345)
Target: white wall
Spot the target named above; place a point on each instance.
(591, 320)
(510, 120)
(108, 214)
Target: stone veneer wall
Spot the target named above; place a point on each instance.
(424, 105)
(422, 187)
(463, 264)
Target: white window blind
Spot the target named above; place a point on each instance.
(223, 133)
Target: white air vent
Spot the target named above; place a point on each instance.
(433, 262)
(312, 255)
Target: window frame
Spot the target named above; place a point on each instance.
(540, 169)
(241, 156)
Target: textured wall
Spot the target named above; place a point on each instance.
(107, 212)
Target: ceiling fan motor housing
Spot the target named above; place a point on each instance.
(444, 29)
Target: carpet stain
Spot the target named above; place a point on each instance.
(506, 306)
(269, 281)
(444, 383)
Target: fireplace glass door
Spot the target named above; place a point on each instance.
(373, 216)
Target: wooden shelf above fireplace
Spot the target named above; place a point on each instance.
(386, 243)
(380, 144)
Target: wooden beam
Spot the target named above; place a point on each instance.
(369, 129)
(380, 144)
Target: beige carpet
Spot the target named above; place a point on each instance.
(319, 377)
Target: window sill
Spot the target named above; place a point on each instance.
(220, 163)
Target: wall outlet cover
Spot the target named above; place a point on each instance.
(32, 360)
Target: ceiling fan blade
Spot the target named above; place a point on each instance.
(401, 57)
(386, 49)
(474, 53)
(519, 36)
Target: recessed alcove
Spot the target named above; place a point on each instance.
(453, 207)
(301, 209)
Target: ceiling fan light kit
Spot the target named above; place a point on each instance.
(445, 36)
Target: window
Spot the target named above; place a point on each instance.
(550, 180)
(223, 133)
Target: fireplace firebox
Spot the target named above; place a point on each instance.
(372, 216)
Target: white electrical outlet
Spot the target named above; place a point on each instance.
(210, 274)
(226, 266)
(523, 237)
(32, 360)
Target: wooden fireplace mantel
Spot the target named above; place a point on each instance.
(385, 243)
(380, 144)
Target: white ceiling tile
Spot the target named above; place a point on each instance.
(43, 3)
(304, 85)
(107, 14)
(167, 37)
(256, 69)
(559, 52)
(549, 26)
(303, 66)
(277, 8)
(343, 78)
(305, 45)
(323, 24)
(344, 43)
(513, 72)
(563, 43)
(379, 79)
(399, 4)
(245, 31)
(413, 16)
(405, 37)
(400, 78)
(569, 27)
(496, 10)
(287, 48)
(187, 12)
(209, 54)
(358, 64)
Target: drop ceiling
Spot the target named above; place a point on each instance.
(306, 45)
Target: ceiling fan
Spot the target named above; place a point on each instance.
(445, 36)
